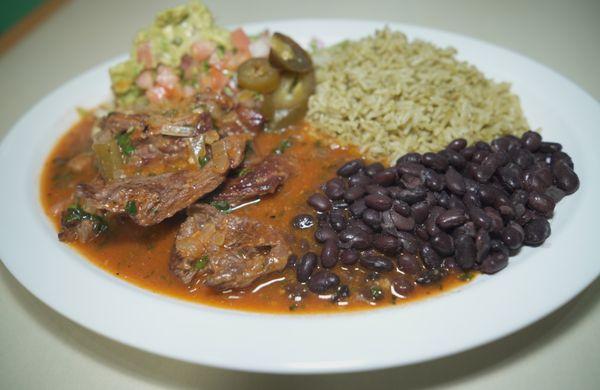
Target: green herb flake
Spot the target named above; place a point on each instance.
(206, 66)
(203, 160)
(244, 171)
(201, 263)
(220, 50)
(221, 205)
(124, 142)
(376, 293)
(466, 276)
(283, 145)
(75, 214)
(131, 207)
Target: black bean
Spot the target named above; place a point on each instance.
(431, 221)
(411, 182)
(376, 263)
(354, 193)
(480, 145)
(319, 202)
(457, 144)
(468, 228)
(376, 189)
(513, 235)
(401, 208)
(402, 223)
(325, 233)
(433, 180)
(303, 221)
(511, 177)
(562, 156)
(550, 147)
(329, 254)
(355, 238)
(430, 257)
(465, 251)
(407, 168)
(409, 263)
(494, 262)
(537, 180)
(455, 181)
(385, 243)
(337, 220)
(378, 202)
(349, 256)
(372, 218)
(403, 286)
(420, 211)
(451, 218)
(479, 217)
(410, 158)
(413, 195)
(323, 281)
(359, 179)
(291, 261)
(500, 144)
(359, 224)
(372, 169)
(555, 193)
(536, 231)
(307, 265)
(409, 242)
(455, 159)
(334, 191)
(385, 178)
(523, 158)
(566, 178)
(421, 232)
(342, 293)
(358, 207)
(531, 140)
(468, 152)
(435, 161)
(541, 203)
(479, 156)
(496, 221)
(498, 246)
(442, 199)
(443, 244)
(483, 244)
(456, 203)
(350, 168)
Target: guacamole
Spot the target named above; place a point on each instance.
(169, 37)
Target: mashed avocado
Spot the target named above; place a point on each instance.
(170, 37)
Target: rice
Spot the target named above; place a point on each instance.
(389, 96)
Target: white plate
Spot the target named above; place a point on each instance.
(535, 283)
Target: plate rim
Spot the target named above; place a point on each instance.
(291, 366)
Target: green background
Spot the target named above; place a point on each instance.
(14, 10)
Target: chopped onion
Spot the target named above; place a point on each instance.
(177, 130)
(220, 161)
(260, 47)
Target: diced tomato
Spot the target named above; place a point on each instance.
(202, 50)
(240, 40)
(166, 77)
(218, 79)
(144, 54)
(156, 94)
(144, 80)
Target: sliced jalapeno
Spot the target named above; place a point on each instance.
(294, 90)
(258, 75)
(288, 55)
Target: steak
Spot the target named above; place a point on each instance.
(261, 179)
(226, 251)
(150, 199)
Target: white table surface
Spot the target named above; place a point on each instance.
(41, 349)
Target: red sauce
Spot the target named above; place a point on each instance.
(141, 255)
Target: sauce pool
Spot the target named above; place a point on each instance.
(141, 255)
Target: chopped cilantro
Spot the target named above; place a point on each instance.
(206, 66)
(203, 160)
(466, 276)
(376, 293)
(222, 205)
(201, 262)
(244, 171)
(124, 142)
(131, 207)
(220, 50)
(75, 214)
(228, 91)
(283, 145)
